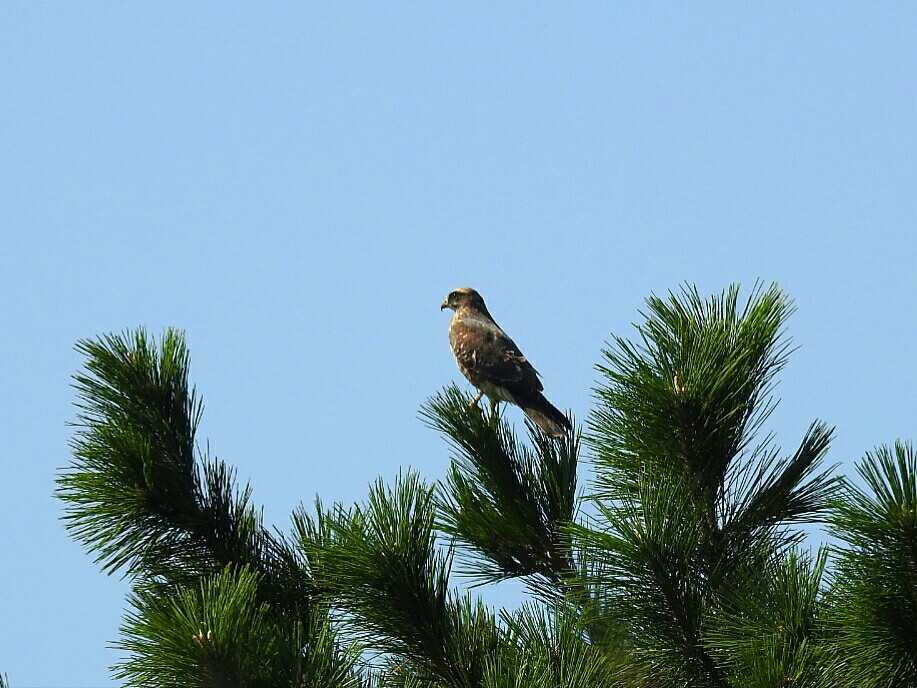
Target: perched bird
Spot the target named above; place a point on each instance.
(493, 363)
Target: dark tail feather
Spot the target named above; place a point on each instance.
(543, 414)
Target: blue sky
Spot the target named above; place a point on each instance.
(298, 186)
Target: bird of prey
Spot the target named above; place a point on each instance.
(492, 362)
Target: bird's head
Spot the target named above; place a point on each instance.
(460, 298)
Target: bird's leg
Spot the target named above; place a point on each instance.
(474, 402)
(493, 407)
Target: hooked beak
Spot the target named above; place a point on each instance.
(444, 305)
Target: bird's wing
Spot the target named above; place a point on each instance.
(487, 350)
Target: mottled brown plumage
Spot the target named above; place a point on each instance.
(492, 362)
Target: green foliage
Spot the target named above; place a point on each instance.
(681, 566)
(694, 389)
(140, 497)
(770, 632)
(548, 647)
(873, 610)
(382, 567)
(690, 506)
(134, 484)
(689, 400)
(501, 498)
(137, 496)
(218, 633)
(649, 580)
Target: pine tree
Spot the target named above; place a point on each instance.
(678, 562)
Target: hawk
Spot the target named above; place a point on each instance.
(493, 363)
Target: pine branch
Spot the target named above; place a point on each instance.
(548, 648)
(766, 494)
(691, 395)
(789, 490)
(652, 580)
(397, 675)
(136, 494)
(218, 634)
(769, 633)
(692, 507)
(502, 499)
(873, 597)
(383, 568)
